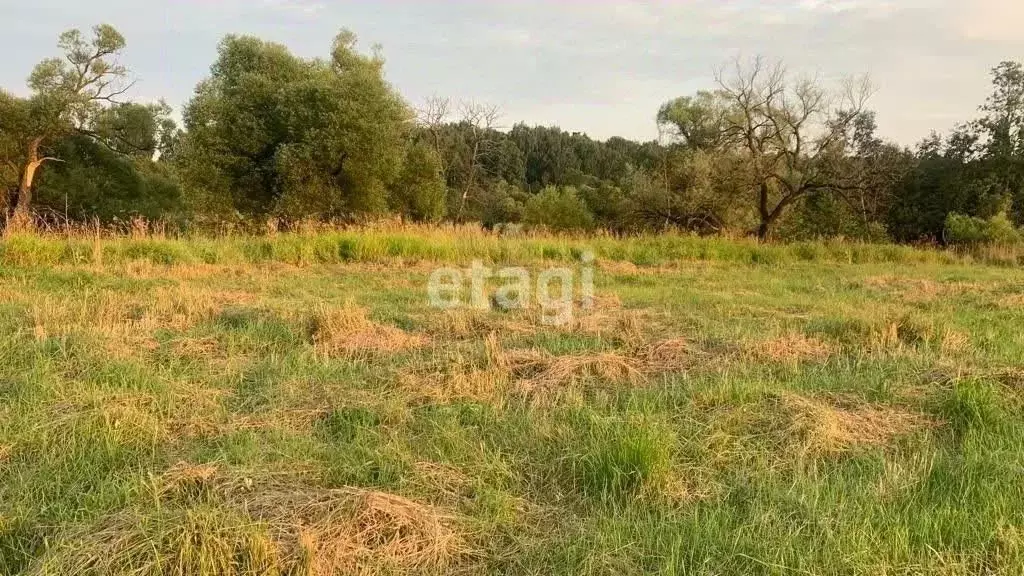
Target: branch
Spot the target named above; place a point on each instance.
(110, 97)
(103, 140)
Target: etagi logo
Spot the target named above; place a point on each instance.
(514, 288)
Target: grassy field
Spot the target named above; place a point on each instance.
(291, 405)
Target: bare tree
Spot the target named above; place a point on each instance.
(433, 116)
(794, 133)
(481, 120)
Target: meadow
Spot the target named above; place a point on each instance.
(289, 404)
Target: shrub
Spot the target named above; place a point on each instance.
(972, 231)
(558, 209)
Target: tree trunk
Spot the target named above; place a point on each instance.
(469, 182)
(22, 218)
(766, 216)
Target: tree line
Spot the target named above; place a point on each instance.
(272, 137)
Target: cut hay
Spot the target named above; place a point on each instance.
(955, 342)
(836, 425)
(185, 480)
(456, 383)
(920, 290)
(792, 348)
(348, 331)
(564, 371)
(443, 478)
(672, 355)
(535, 372)
(1011, 302)
(470, 323)
(357, 531)
(210, 522)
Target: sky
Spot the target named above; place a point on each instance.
(601, 66)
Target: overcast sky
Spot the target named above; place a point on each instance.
(602, 67)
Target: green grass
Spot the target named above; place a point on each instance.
(181, 407)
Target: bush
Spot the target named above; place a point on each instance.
(972, 231)
(558, 209)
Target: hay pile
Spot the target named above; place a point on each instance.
(212, 522)
(835, 425)
(348, 331)
(792, 348)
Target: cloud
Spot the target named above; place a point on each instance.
(991, 20)
(601, 66)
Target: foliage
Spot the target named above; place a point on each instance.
(558, 209)
(971, 230)
(271, 136)
(272, 133)
(95, 182)
(420, 190)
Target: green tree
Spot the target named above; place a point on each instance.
(420, 190)
(272, 133)
(95, 181)
(998, 136)
(558, 209)
(793, 134)
(69, 95)
(699, 122)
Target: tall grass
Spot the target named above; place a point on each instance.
(457, 245)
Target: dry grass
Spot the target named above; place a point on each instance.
(538, 374)
(1011, 302)
(443, 478)
(834, 425)
(791, 348)
(214, 522)
(463, 323)
(357, 531)
(124, 323)
(955, 342)
(672, 355)
(562, 371)
(348, 331)
(920, 290)
(290, 419)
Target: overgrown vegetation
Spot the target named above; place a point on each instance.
(288, 404)
(271, 140)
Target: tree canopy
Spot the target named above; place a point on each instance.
(272, 135)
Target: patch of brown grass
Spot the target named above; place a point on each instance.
(292, 419)
(448, 480)
(538, 373)
(955, 342)
(212, 521)
(565, 370)
(348, 331)
(1011, 302)
(351, 530)
(5, 452)
(792, 348)
(355, 531)
(672, 355)
(836, 425)
(123, 323)
(920, 290)
(470, 323)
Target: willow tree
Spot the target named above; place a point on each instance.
(794, 135)
(273, 134)
(68, 95)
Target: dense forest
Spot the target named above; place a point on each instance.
(272, 139)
